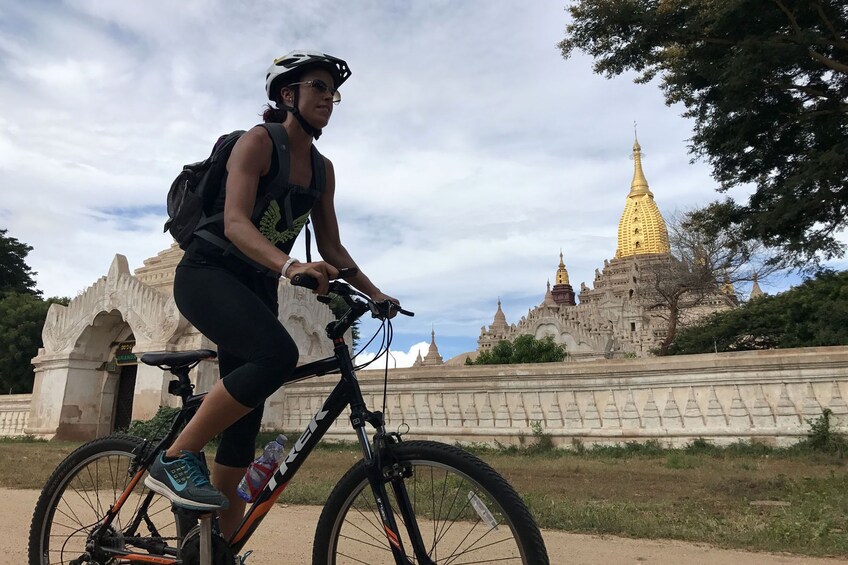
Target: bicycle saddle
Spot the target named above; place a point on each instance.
(173, 359)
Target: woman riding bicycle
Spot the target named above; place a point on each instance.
(232, 299)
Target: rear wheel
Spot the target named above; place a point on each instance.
(80, 492)
(464, 510)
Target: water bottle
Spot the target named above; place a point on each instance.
(260, 471)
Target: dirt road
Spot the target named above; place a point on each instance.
(286, 538)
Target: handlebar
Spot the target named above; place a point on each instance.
(348, 292)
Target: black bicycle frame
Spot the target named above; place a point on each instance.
(346, 392)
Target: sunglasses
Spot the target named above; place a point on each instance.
(322, 88)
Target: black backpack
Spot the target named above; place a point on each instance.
(197, 186)
(195, 189)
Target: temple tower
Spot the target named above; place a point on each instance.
(562, 292)
(641, 230)
(432, 358)
(756, 291)
(549, 298)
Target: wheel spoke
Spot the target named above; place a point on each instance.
(89, 484)
(463, 511)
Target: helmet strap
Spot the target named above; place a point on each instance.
(307, 127)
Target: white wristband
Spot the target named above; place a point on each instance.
(288, 264)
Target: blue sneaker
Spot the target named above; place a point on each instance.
(185, 482)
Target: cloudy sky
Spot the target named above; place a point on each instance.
(467, 151)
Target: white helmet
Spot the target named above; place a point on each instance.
(294, 63)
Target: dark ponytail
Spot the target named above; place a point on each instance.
(273, 115)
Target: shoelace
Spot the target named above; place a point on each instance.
(194, 469)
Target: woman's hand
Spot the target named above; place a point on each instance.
(380, 296)
(321, 271)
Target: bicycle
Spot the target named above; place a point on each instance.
(406, 502)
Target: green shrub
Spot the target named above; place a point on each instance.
(822, 438)
(700, 445)
(751, 448)
(21, 439)
(629, 449)
(579, 447)
(156, 427)
(544, 441)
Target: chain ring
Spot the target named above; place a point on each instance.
(222, 554)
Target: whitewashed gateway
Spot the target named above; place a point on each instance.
(87, 380)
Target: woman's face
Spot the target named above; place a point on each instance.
(315, 106)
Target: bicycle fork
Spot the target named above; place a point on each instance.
(393, 473)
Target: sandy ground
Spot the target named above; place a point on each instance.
(285, 537)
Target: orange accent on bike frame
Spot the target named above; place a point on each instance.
(393, 539)
(259, 512)
(148, 559)
(117, 507)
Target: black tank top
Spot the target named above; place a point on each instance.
(284, 208)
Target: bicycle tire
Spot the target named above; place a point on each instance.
(60, 526)
(350, 530)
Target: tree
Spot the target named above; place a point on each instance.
(15, 274)
(706, 264)
(766, 82)
(339, 308)
(22, 315)
(525, 349)
(22, 318)
(814, 313)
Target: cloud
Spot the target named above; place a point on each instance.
(396, 359)
(467, 151)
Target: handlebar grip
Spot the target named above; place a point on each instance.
(348, 272)
(389, 305)
(304, 280)
(308, 281)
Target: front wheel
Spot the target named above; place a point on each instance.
(464, 511)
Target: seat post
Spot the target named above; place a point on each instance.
(206, 539)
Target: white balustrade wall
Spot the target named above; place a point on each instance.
(768, 396)
(14, 414)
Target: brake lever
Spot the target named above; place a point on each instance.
(378, 307)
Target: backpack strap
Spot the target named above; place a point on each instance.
(319, 182)
(280, 182)
(319, 171)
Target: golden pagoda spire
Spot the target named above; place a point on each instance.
(642, 229)
(639, 185)
(561, 274)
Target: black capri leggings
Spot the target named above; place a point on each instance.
(236, 307)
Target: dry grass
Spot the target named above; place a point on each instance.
(706, 498)
(702, 497)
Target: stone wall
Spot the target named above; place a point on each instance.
(765, 395)
(14, 414)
